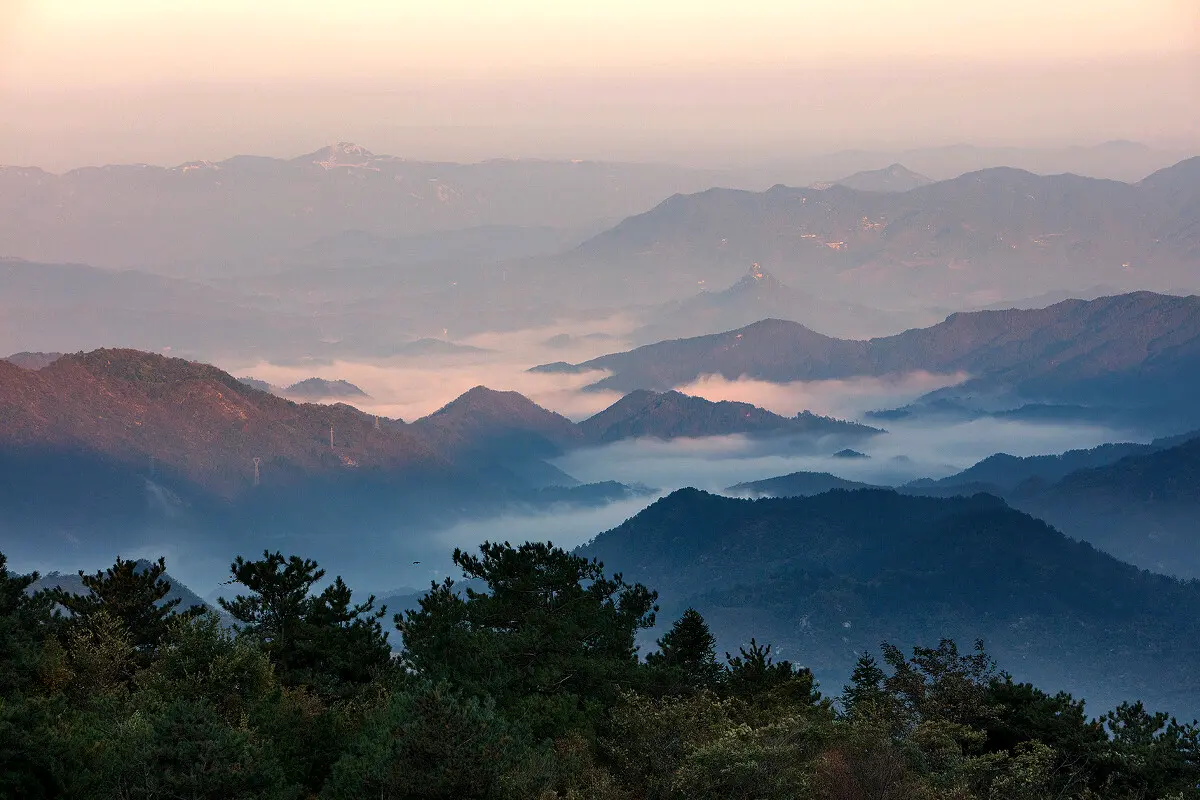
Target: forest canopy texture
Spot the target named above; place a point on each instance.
(523, 682)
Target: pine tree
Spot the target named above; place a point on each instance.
(553, 638)
(134, 593)
(324, 641)
(755, 677)
(864, 693)
(25, 621)
(687, 656)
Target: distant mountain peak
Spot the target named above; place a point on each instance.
(33, 361)
(672, 414)
(892, 178)
(314, 388)
(341, 154)
(351, 149)
(489, 418)
(479, 402)
(756, 278)
(202, 166)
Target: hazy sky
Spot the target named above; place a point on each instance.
(101, 80)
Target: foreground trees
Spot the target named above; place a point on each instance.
(526, 683)
(551, 639)
(321, 640)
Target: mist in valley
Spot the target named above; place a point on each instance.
(382, 557)
(838, 325)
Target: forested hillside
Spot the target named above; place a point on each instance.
(828, 577)
(531, 686)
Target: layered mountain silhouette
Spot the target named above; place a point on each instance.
(893, 178)
(1138, 502)
(1143, 508)
(253, 212)
(487, 421)
(126, 451)
(320, 388)
(760, 295)
(796, 484)
(828, 577)
(34, 361)
(204, 427)
(1136, 350)
(983, 236)
(1002, 473)
(338, 225)
(134, 452)
(670, 415)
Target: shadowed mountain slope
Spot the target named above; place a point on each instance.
(1134, 350)
(829, 577)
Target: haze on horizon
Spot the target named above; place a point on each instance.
(102, 81)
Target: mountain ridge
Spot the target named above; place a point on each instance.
(672, 414)
(828, 577)
(1000, 231)
(1134, 349)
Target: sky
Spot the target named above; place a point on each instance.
(89, 81)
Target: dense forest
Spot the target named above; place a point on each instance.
(829, 577)
(530, 686)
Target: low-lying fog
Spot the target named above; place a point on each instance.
(409, 388)
(906, 452)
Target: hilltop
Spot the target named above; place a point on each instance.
(195, 421)
(669, 415)
(319, 388)
(828, 577)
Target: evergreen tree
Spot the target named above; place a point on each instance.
(133, 593)
(426, 743)
(940, 683)
(325, 640)
(1151, 754)
(756, 678)
(864, 694)
(552, 637)
(1024, 714)
(686, 660)
(25, 621)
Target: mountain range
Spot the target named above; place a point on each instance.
(826, 578)
(1143, 508)
(893, 178)
(759, 295)
(252, 213)
(324, 255)
(971, 240)
(1139, 502)
(670, 415)
(206, 427)
(120, 448)
(1134, 351)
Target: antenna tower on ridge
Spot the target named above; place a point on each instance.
(257, 461)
